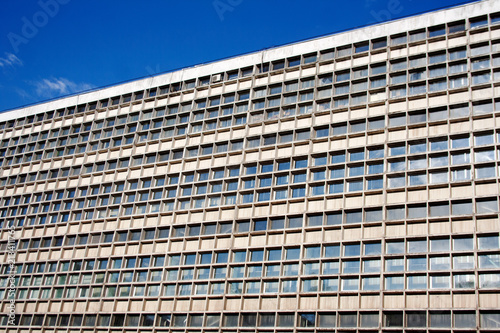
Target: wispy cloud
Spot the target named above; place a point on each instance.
(58, 86)
(23, 94)
(10, 60)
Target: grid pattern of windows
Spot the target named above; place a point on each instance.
(349, 187)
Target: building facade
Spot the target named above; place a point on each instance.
(345, 183)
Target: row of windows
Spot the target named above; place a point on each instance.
(458, 208)
(238, 270)
(355, 167)
(438, 144)
(223, 147)
(435, 145)
(348, 249)
(271, 271)
(325, 284)
(369, 319)
(376, 214)
(437, 209)
(481, 64)
(441, 175)
(396, 149)
(59, 138)
(433, 86)
(393, 282)
(477, 52)
(482, 77)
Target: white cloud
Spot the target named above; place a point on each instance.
(10, 60)
(59, 86)
(22, 93)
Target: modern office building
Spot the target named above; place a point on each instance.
(345, 183)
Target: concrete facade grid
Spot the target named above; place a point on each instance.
(347, 183)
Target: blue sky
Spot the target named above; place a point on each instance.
(52, 48)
